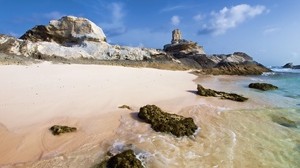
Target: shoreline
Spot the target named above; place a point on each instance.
(171, 90)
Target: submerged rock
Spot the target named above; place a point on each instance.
(284, 121)
(223, 95)
(60, 129)
(262, 86)
(126, 159)
(164, 122)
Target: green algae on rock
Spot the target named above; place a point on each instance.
(223, 95)
(262, 86)
(60, 129)
(126, 159)
(164, 122)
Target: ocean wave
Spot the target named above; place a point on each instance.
(285, 70)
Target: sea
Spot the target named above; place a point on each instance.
(264, 134)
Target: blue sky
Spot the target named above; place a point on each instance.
(268, 30)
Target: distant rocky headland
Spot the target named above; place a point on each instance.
(79, 40)
(291, 65)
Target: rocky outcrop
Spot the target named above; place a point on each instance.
(73, 38)
(180, 47)
(290, 65)
(126, 159)
(223, 95)
(164, 122)
(237, 63)
(262, 86)
(60, 129)
(66, 31)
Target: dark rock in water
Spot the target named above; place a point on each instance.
(284, 121)
(60, 129)
(126, 159)
(262, 86)
(223, 95)
(288, 65)
(164, 122)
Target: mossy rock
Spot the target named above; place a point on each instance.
(284, 121)
(60, 129)
(262, 86)
(223, 95)
(169, 123)
(126, 159)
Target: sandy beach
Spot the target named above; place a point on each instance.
(35, 97)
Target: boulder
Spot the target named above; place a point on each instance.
(60, 129)
(164, 122)
(288, 65)
(262, 86)
(126, 159)
(223, 95)
(65, 31)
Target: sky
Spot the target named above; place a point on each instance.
(267, 30)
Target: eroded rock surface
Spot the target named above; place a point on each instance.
(169, 123)
(262, 86)
(126, 159)
(60, 129)
(223, 95)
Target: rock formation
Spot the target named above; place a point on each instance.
(60, 129)
(164, 122)
(290, 65)
(126, 159)
(179, 46)
(66, 31)
(223, 95)
(74, 38)
(262, 86)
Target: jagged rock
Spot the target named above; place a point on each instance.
(126, 159)
(288, 65)
(284, 121)
(60, 129)
(180, 47)
(164, 122)
(65, 31)
(223, 95)
(262, 86)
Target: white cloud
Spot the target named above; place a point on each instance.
(228, 18)
(198, 17)
(270, 30)
(175, 20)
(53, 15)
(116, 25)
(172, 8)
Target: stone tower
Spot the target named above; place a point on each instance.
(176, 36)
